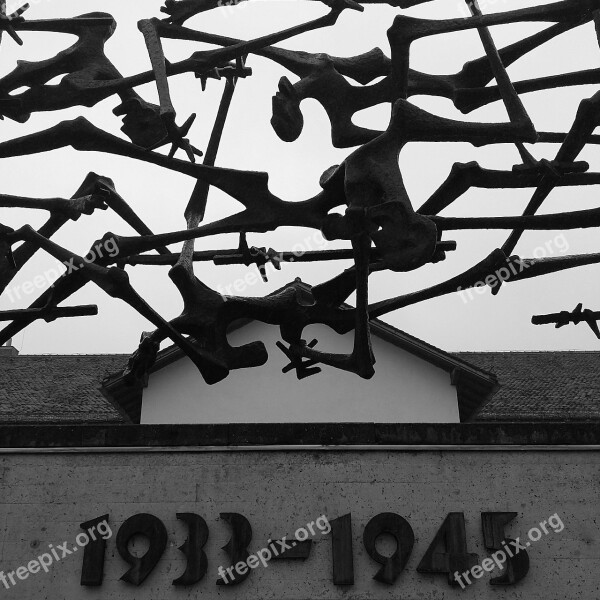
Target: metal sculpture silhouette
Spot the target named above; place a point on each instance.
(563, 318)
(377, 217)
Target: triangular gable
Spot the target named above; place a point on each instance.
(414, 382)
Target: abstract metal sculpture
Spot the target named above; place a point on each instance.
(378, 220)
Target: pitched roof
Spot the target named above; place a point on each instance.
(56, 389)
(535, 386)
(474, 385)
(541, 386)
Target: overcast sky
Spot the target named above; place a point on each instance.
(160, 196)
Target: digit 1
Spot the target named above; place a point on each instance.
(192, 548)
(237, 546)
(92, 568)
(341, 547)
(448, 550)
(402, 532)
(150, 527)
(515, 567)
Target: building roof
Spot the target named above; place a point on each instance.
(541, 386)
(56, 389)
(534, 386)
(92, 389)
(474, 385)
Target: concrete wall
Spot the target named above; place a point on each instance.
(44, 498)
(405, 389)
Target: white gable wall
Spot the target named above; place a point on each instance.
(405, 389)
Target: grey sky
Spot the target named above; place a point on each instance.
(159, 196)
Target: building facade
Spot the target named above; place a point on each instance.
(486, 486)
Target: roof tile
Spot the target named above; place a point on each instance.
(541, 386)
(535, 386)
(56, 389)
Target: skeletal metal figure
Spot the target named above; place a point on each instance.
(87, 199)
(82, 64)
(264, 212)
(324, 78)
(405, 240)
(379, 221)
(96, 192)
(205, 64)
(91, 77)
(406, 30)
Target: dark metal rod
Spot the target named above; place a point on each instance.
(60, 312)
(229, 257)
(555, 317)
